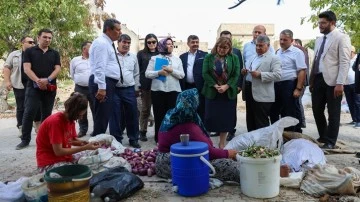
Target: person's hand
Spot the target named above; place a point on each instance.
(232, 154)
(42, 83)
(311, 88)
(92, 145)
(296, 93)
(223, 88)
(8, 85)
(101, 95)
(168, 69)
(256, 74)
(216, 86)
(83, 142)
(163, 73)
(338, 90)
(244, 71)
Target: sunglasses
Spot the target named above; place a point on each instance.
(151, 42)
(30, 42)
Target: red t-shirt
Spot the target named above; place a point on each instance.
(54, 130)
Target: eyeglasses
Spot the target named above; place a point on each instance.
(30, 42)
(151, 42)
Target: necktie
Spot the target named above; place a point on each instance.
(117, 59)
(318, 56)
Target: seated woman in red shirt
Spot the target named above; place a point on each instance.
(57, 134)
(183, 119)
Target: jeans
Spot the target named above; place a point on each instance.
(102, 110)
(145, 110)
(353, 100)
(35, 99)
(83, 122)
(124, 112)
(20, 106)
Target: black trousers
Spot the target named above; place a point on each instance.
(35, 99)
(20, 106)
(83, 122)
(321, 96)
(257, 113)
(102, 110)
(162, 102)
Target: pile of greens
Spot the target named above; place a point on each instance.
(259, 152)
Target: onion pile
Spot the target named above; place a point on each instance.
(142, 163)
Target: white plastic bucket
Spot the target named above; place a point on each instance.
(259, 178)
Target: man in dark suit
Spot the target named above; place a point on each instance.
(192, 63)
(236, 52)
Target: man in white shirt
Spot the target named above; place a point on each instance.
(80, 73)
(352, 98)
(105, 73)
(125, 105)
(288, 90)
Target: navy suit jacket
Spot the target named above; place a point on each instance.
(197, 69)
(237, 52)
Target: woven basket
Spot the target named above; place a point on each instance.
(82, 195)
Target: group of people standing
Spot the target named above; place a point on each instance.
(272, 82)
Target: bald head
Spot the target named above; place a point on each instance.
(258, 30)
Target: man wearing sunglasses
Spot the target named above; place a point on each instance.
(16, 79)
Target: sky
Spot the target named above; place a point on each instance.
(181, 18)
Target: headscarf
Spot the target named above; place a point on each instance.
(162, 48)
(187, 103)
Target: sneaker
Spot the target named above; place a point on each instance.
(135, 144)
(351, 123)
(143, 136)
(81, 134)
(20, 131)
(22, 145)
(36, 126)
(357, 125)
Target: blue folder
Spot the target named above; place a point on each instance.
(159, 62)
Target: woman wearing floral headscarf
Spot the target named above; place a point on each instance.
(165, 84)
(221, 71)
(183, 119)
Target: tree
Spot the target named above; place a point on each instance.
(347, 13)
(237, 44)
(71, 22)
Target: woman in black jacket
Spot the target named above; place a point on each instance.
(144, 56)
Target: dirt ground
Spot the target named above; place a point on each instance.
(15, 164)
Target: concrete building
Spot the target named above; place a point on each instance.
(243, 31)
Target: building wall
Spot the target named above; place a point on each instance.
(243, 31)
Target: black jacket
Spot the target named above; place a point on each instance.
(143, 59)
(356, 67)
(197, 69)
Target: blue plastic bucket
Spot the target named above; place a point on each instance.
(190, 168)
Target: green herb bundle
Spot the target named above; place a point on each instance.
(259, 152)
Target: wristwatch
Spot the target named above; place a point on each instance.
(49, 80)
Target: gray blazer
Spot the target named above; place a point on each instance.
(263, 89)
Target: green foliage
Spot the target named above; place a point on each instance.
(310, 44)
(237, 44)
(347, 13)
(70, 21)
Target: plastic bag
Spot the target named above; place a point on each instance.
(115, 184)
(301, 154)
(12, 191)
(270, 136)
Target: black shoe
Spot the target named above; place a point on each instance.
(92, 134)
(135, 144)
(351, 123)
(81, 134)
(151, 123)
(321, 140)
(230, 136)
(22, 145)
(328, 146)
(143, 136)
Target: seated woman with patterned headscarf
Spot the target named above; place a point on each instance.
(183, 119)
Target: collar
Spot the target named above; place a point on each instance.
(192, 53)
(38, 48)
(330, 34)
(291, 48)
(126, 54)
(107, 38)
